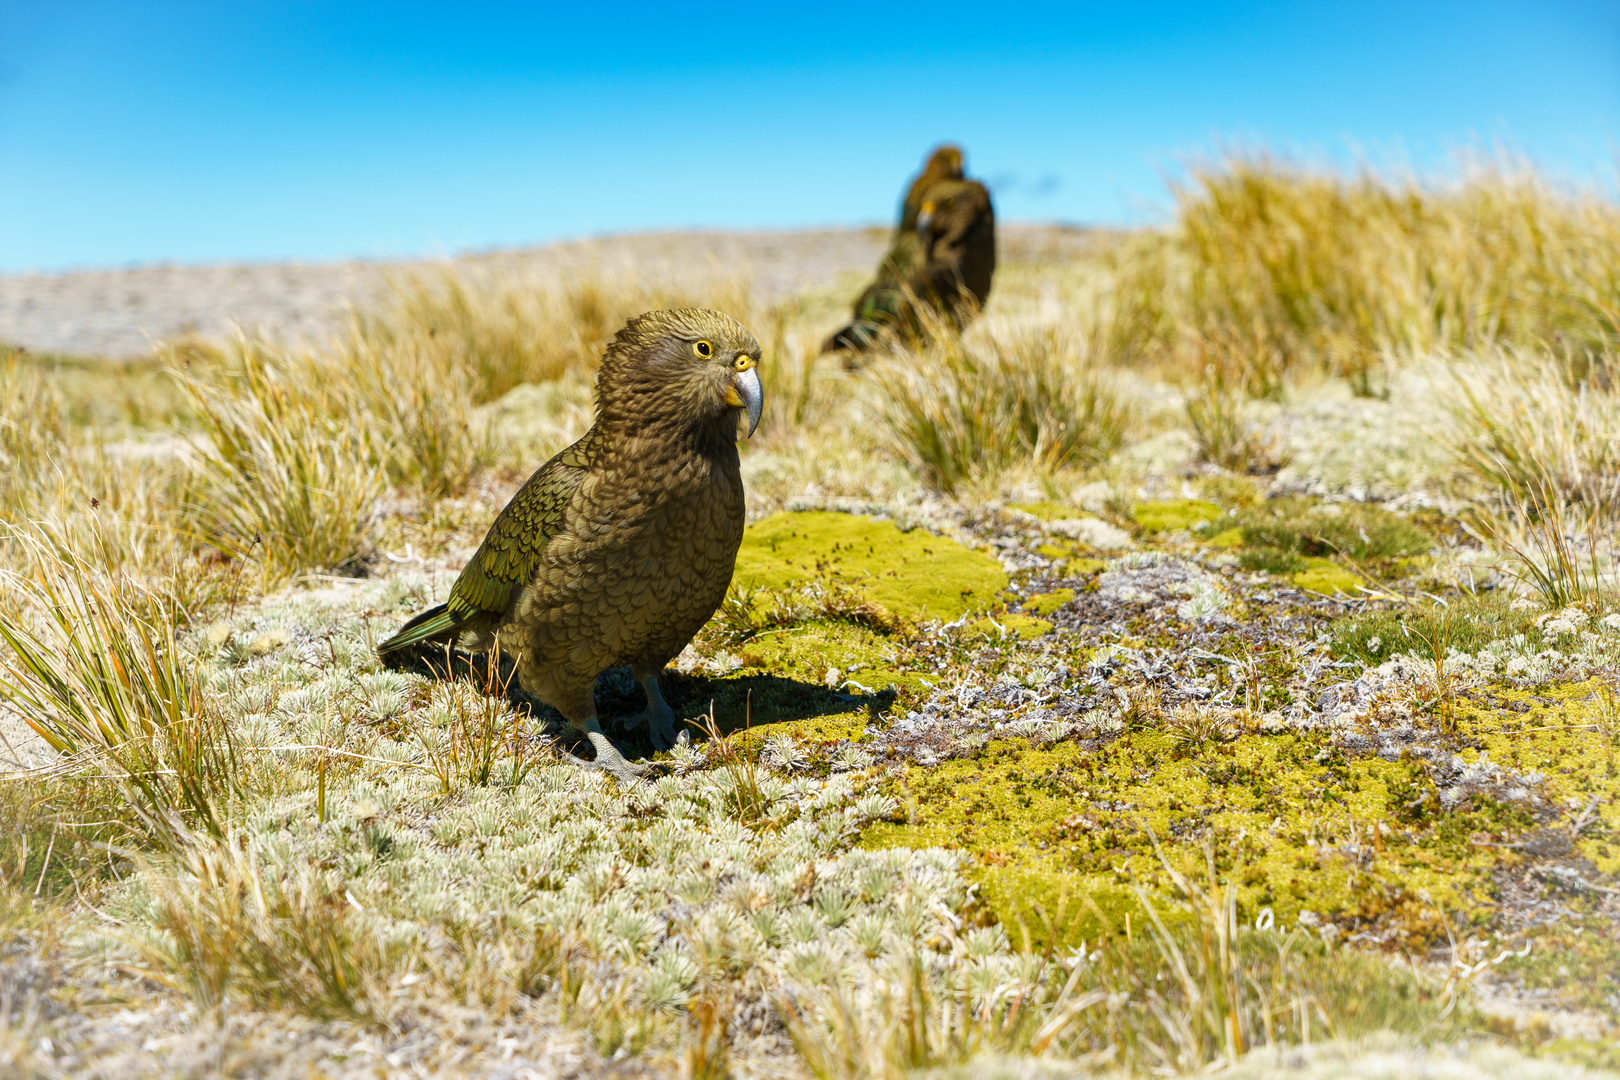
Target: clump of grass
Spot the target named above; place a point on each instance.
(1222, 434)
(1538, 426)
(33, 436)
(1273, 270)
(505, 330)
(291, 475)
(1554, 548)
(962, 417)
(470, 727)
(93, 666)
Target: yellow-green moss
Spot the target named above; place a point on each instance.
(1326, 576)
(823, 730)
(1010, 624)
(1573, 744)
(1047, 603)
(1071, 564)
(1229, 538)
(1174, 514)
(806, 653)
(1035, 817)
(914, 574)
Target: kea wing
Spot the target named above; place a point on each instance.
(509, 557)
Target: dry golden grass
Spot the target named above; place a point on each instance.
(1269, 269)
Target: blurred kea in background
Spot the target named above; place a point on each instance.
(617, 550)
(941, 260)
(944, 163)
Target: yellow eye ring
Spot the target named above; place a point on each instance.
(703, 349)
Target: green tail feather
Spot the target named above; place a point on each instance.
(434, 623)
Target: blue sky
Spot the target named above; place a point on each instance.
(166, 131)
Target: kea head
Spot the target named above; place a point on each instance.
(950, 211)
(681, 369)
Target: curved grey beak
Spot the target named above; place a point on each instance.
(746, 392)
(924, 216)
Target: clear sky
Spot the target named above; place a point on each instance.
(233, 130)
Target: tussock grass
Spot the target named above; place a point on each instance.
(94, 667)
(962, 416)
(505, 330)
(290, 477)
(1540, 427)
(1222, 433)
(1270, 269)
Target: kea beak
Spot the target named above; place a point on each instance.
(745, 392)
(924, 216)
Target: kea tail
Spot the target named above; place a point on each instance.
(436, 624)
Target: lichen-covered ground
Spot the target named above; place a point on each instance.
(973, 730)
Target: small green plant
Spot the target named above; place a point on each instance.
(1543, 540)
(470, 725)
(1436, 637)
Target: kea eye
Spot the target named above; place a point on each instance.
(703, 349)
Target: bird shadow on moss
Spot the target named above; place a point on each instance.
(737, 702)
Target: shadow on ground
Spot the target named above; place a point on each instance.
(741, 703)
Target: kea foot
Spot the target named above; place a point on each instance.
(657, 717)
(608, 758)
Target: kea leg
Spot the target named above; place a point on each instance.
(608, 758)
(658, 717)
(581, 714)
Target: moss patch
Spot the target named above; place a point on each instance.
(1230, 538)
(915, 574)
(1575, 743)
(1326, 576)
(1174, 514)
(1010, 624)
(1063, 826)
(806, 653)
(1047, 603)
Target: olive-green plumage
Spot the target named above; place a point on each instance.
(621, 547)
(942, 260)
